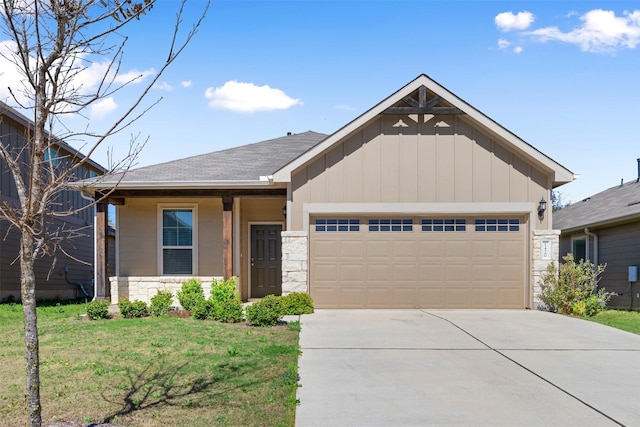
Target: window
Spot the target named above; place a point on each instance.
(405, 224)
(51, 155)
(341, 224)
(579, 248)
(444, 225)
(178, 235)
(501, 224)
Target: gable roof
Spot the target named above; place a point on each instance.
(11, 113)
(617, 204)
(250, 164)
(560, 174)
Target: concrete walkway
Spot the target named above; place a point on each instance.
(465, 367)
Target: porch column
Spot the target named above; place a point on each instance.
(102, 287)
(227, 236)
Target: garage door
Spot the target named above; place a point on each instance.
(425, 262)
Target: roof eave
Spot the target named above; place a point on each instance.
(599, 224)
(172, 185)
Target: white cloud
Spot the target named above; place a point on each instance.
(186, 83)
(248, 98)
(517, 49)
(507, 21)
(103, 107)
(601, 31)
(9, 74)
(134, 76)
(503, 44)
(163, 86)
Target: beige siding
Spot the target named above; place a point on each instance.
(138, 235)
(396, 159)
(255, 210)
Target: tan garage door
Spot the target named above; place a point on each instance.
(399, 262)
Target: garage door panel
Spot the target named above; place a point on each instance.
(431, 269)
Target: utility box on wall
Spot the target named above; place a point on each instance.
(633, 273)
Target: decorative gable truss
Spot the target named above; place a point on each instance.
(423, 105)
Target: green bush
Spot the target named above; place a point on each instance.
(98, 310)
(227, 305)
(203, 310)
(265, 312)
(161, 304)
(130, 309)
(190, 294)
(573, 288)
(297, 303)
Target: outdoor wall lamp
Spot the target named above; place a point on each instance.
(542, 206)
(284, 211)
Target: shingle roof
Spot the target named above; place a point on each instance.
(244, 163)
(615, 204)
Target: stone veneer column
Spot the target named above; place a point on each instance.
(295, 262)
(546, 249)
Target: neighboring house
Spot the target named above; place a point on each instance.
(422, 201)
(63, 276)
(605, 229)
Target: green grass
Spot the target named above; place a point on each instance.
(150, 371)
(625, 320)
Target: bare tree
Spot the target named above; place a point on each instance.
(54, 43)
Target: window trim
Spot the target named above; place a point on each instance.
(194, 237)
(585, 239)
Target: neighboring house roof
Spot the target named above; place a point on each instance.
(617, 204)
(14, 115)
(248, 164)
(560, 174)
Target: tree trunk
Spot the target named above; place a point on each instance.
(28, 286)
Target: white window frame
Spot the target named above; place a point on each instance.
(194, 236)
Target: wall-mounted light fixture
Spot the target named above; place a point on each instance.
(284, 211)
(542, 207)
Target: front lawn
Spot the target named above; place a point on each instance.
(625, 320)
(150, 371)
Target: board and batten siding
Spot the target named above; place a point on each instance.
(51, 282)
(395, 159)
(138, 235)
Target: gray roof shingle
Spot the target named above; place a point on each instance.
(615, 204)
(244, 163)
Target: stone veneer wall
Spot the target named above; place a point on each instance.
(295, 261)
(538, 264)
(144, 288)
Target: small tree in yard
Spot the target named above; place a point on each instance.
(572, 288)
(52, 43)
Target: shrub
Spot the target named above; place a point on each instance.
(297, 303)
(573, 288)
(98, 310)
(227, 305)
(266, 312)
(203, 309)
(190, 294)
(130, 309)
(161, 304)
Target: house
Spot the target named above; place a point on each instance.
(422, 201)
(605, 229)
(69, 273)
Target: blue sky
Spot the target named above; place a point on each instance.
(562, 75)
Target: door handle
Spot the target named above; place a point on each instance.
(251, 261)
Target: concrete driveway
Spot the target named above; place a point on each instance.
(465, 367)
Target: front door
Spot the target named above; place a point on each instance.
(266, 260)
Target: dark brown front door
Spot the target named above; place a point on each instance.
(266, 260)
